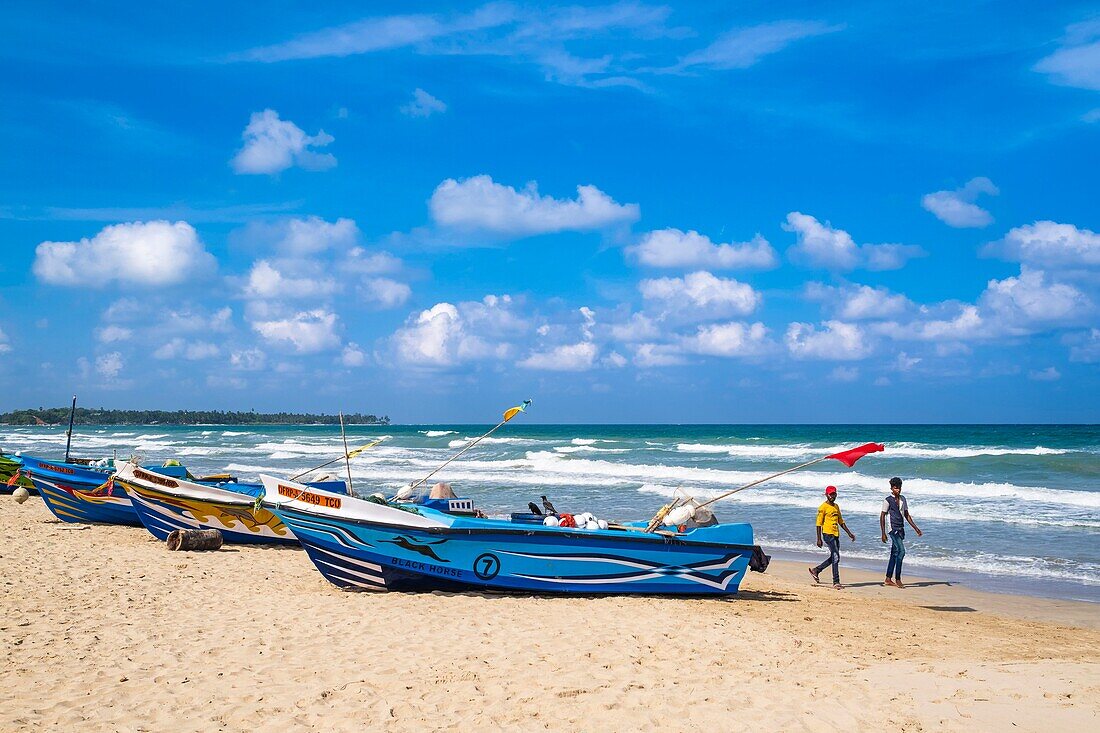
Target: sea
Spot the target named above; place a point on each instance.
(1007, 508)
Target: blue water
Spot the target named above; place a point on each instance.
(1013, 508)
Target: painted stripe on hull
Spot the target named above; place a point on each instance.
(161, 519)
(71, 507)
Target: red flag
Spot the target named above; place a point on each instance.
(14, 477)
(849, 457)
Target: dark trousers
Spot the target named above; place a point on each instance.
(833, 543)
(897, 553)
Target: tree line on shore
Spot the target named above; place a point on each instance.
(98, 416)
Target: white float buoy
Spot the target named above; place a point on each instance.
(550, 521)
(21, 494)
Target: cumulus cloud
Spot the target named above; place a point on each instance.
(576, 357)
(701, 293)
(264, 281)
(423, 105)
(109, 365)
(741, 48)
(111, 334)
(305, 332)
(5, 347)
(353, 356)
(1077, 62)
(674, 248)
(1024, 303)
(480, 204)
(639, 327)
(734, 339)
(1050, 245)
(820, 245)
(957, 208)
(384, 292)
(446, 335)
(153, 254)
(248, 360)
(844, 374)
(313, 235)
(838, 341)
(859, 302)
(1085, 346)
(179, 348)
(272, 145)
(965, 324)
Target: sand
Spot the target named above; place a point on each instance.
(103, 629)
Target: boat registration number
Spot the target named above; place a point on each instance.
(331, 502)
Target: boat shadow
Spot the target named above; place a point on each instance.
(744, 595)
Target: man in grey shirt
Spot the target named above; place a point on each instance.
(898, 508)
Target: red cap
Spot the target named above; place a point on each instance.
(830, 490)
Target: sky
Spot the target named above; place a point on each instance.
(626, 212)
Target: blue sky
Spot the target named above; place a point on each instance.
(627, 212)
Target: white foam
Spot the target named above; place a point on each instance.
(893, 450)
(462, 442)
(230, 433)
(437, 433)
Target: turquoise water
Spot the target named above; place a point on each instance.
(1008, 507)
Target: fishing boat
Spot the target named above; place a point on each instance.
(11, 474)
(85, 492)
(442, 544)
(166, 503)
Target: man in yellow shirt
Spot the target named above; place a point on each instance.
(829, 523)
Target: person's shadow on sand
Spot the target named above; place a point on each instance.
(920, 584)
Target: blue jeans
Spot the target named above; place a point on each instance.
(897, 553)
(833, 543)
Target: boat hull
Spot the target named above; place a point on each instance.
(76, 493)
(362, 546)
(236, 518)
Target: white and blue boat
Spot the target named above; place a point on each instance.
(376, 544)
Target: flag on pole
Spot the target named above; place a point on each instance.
(360, 449)
(513, 411)
(849, 457)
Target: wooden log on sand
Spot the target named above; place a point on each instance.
(194, 539)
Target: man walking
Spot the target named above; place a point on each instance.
(898, 508)
(829, 523)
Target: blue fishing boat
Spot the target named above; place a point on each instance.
(443, 544)
(79, 492)
(165, 503)
(11, 474)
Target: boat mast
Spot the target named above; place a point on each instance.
(69, 439)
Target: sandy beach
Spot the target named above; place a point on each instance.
(103, 629)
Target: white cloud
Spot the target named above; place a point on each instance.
(5, 347)
(701, 293)
(152, 254)
(576, 357)
(111, 334)
(859, 302)
(313, 235)
(1077, 62)
(657, 355)
(674, 248)
(727, 339)
(179, 348)
(1050, 374)
(1049, 245)
(423, 105)
(479, 203)
(1025, 302)
(820, 245)
(264, 281)
(965, 324)
(190, 319)
(359, 260)
(353, 356)
(1085, 347)
(905, 363)
(839, 341)
(272, 145)
(109, 365)
(957, 208)
(385, 292)
(740, 48)
(248, 360)
(844, 374)
(638, 328)
(306, 332)
(446, 335)
(615, 359)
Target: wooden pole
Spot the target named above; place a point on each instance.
(355, 452)
(766, 478)
(347, 458)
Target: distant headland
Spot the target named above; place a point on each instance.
(92, 416)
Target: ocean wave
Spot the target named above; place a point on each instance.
(929, 510)
(893, 450)
(462, 442)
(437, 433)
(588, 449)
(232, 433)
(557, 464)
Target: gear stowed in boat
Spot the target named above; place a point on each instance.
(440, 544)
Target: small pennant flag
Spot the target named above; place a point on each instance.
(513, 411)
(359, 450)
(849, 457)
